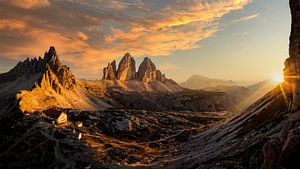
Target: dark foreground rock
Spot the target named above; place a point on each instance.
(107, 139)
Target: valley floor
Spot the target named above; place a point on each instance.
(111, 138)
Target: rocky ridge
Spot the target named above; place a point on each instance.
(54, 73)
(43, 83)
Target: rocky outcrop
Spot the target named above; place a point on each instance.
(110, 72)
(126, 69)
(292, 64)
(284, 148)
(147, 71)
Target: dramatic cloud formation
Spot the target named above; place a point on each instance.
(89, 33)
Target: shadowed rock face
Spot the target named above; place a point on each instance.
(292, 64)
(110, 72)
(147, 72)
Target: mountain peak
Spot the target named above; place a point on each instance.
(52, 50)
(126, 69)
(147, 71)
(51, 56)
(127, 55)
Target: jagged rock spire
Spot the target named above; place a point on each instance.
(110, 72)
(51, 53)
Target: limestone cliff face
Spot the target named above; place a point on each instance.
(126, 69)
(292, 64)
(110, 72)
(147, 72)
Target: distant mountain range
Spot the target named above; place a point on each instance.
(243, 95)
(199, 82)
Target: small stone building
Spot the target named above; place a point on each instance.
(60, 117)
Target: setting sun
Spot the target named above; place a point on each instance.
(278, 78)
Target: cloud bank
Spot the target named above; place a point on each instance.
(87, 34)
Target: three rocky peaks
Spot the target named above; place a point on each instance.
(126, 70)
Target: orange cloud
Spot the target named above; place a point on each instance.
(28, 4)
(12, 24)
(82, 36)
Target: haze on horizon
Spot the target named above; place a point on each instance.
(241, 40)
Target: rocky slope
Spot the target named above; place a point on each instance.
(194, 101)
(258, 137)
(44, 83)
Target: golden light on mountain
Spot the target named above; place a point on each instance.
(62, 108)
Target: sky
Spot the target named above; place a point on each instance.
(241, 40)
